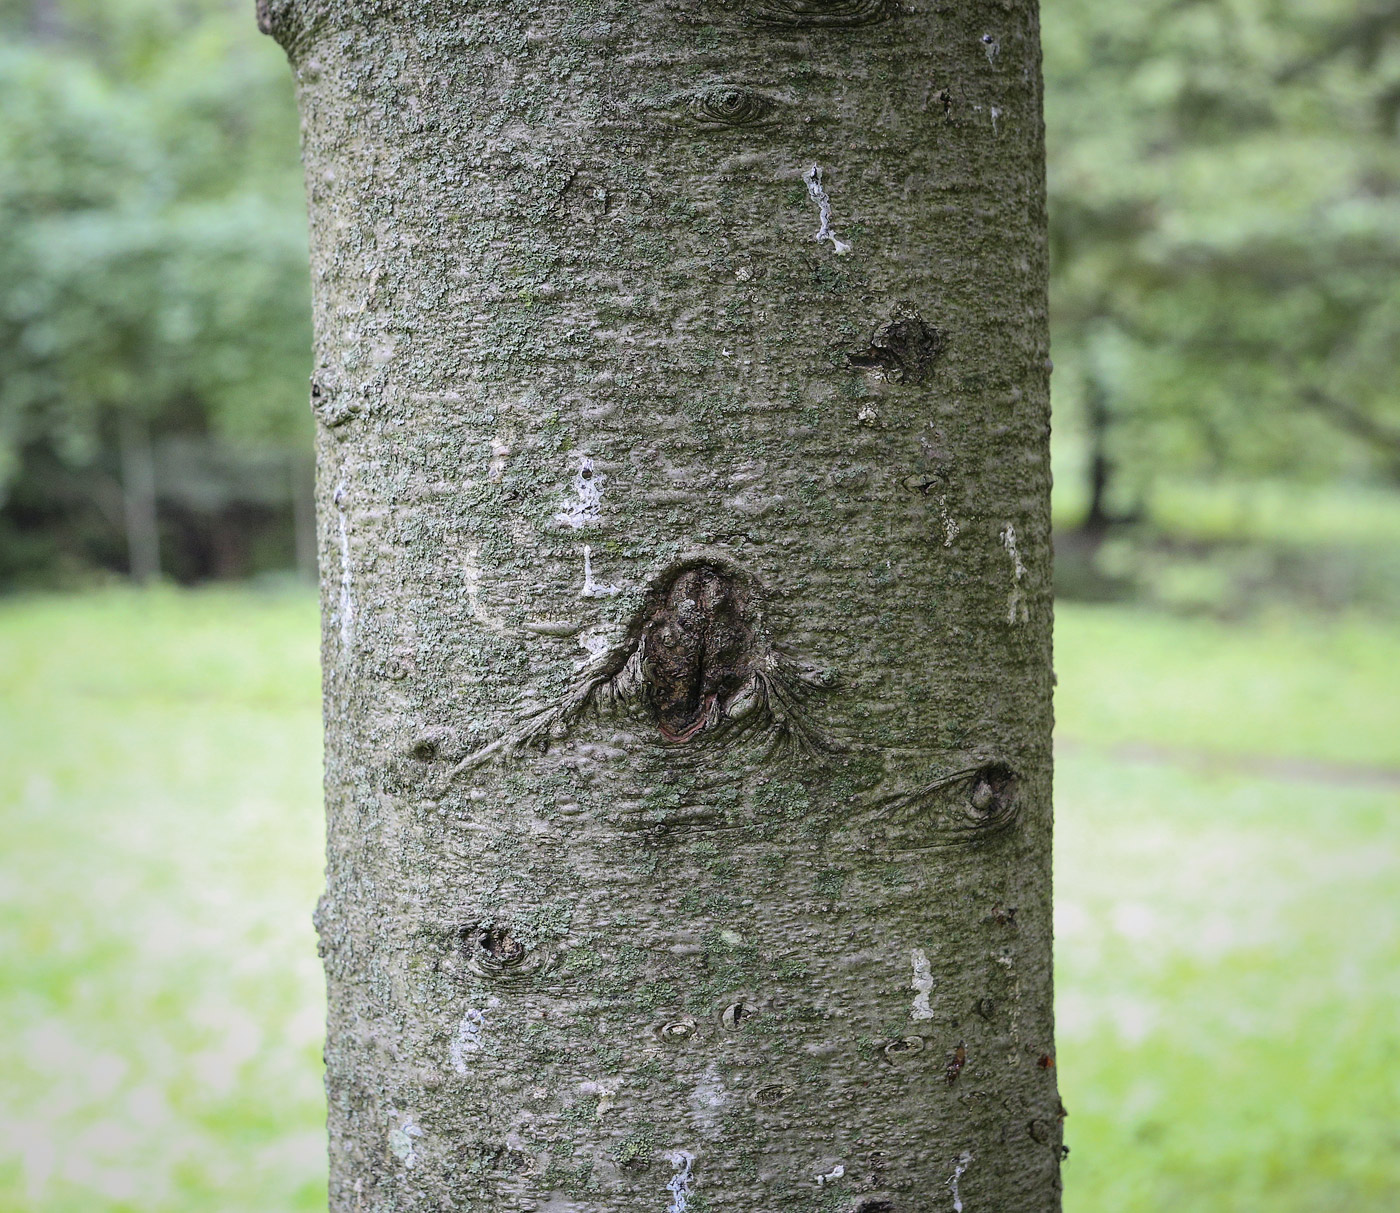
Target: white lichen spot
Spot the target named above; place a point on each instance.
(743, 273)
(992, 47)
(996, 113)
(347, 597)
(867, 415)
(831, 1176)
(587, 505)
(963, 1160)
(951, 529)
(473, 577)
(1016, 610)
(595, 642)
(591, 588)
(818, 195)
(679, 1186)
(922, 985)
(707, 1102)
(605, 1093)
(401, 1142)
(468, 1039)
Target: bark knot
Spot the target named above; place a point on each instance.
(727, 105)
(904, 350)
(698, 661)
(697, 652)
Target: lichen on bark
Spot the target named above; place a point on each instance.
(642, 957)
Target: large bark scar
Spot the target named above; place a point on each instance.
(698, 661)
(697, 649)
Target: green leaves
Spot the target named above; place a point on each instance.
(1225, 212)
(152, 238)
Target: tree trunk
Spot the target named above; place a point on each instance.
(1096, 517)
(682, 380)
(140, 508)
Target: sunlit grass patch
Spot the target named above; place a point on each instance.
(159, 771)
(1228, 962)
(1280, 685)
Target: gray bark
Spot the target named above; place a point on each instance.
(682, 380)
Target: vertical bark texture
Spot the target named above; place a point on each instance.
(683, 386)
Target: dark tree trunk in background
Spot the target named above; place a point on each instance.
(1096, 518)
(682, 380)
(139, 503)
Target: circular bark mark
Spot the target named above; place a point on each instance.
(770, 1096)
(492, 951)
(497, 949)
(733, 1017)
(698, 651)
(332, 406)
(905, 1047)
(675, 1031)
(991, 799)
(837, 14)
(729, 105)
(963, 808)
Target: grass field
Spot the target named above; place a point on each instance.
(1228, 863)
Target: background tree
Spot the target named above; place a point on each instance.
(683, 385)
(152, 267)
(1225, 300)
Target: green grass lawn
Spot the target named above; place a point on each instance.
(1228, 927)
(160, 1024)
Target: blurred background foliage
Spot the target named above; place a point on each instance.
(154, 302)
(1225, 227)
(1225, 240)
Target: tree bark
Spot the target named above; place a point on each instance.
(682, 380)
